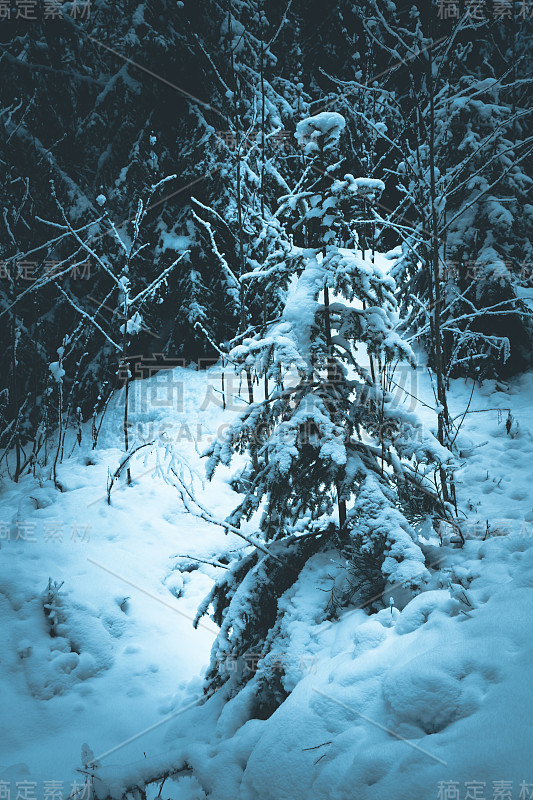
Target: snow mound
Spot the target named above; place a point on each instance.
(434, 689)
(418, 611)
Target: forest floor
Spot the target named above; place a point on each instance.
(396, 704)
(117, 665)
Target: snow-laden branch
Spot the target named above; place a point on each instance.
(141, 297)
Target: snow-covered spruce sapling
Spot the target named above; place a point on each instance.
(318, 451)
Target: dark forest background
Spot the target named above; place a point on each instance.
(99, 103)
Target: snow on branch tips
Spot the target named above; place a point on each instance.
(320, 132)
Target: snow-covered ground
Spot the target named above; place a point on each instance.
(125, 646)
(414, 702)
